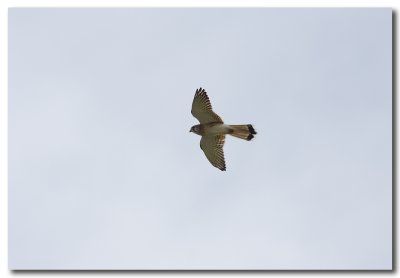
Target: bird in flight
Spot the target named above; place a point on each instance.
(213, 130)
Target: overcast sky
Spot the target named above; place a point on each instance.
(104, 174)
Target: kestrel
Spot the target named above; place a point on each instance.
(212, 130)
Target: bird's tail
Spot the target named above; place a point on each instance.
(245, 132)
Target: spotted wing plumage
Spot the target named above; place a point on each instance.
(202, 109)
(212, 147)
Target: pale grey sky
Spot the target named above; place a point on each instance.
(104, 174)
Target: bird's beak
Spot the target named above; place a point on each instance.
(190, 130)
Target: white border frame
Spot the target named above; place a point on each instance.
(5, 4)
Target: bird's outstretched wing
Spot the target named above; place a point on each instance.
(202, 110)
(212, 147)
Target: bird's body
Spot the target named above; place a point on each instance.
(213, 130)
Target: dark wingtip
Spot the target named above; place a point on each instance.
(201, 90)
(251, 129)
(251, 136)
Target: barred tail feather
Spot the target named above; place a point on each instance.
(245, 132)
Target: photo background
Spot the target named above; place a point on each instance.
(104, 174)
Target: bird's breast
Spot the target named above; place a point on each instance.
(216, 129)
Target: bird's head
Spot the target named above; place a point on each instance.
(195, 129)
